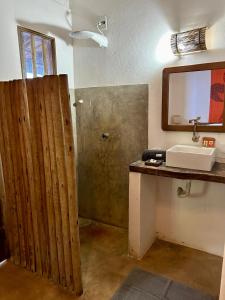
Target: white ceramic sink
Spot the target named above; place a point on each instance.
(191, 157)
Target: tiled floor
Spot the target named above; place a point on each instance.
(105, 264)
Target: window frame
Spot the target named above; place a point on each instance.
(20, 30)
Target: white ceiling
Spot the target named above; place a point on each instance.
(183, 14)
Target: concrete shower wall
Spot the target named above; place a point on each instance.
(122, 112)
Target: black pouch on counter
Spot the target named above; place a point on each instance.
(154, 154)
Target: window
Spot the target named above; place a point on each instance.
(37, 52)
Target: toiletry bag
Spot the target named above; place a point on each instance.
(154, 154)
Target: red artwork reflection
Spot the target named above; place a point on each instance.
(217, 96)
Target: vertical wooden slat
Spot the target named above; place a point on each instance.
(30, 172)
(70, 168)
(12, 126)
(12, 143)
(22, 175)
(12, 226)
(48, 91)
(6, 241)
(43, 97)
(38, 175)
(55, 111)
(20, 168)
(5, 171)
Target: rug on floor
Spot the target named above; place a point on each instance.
(142, 285)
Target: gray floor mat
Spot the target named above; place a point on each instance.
(141, 285)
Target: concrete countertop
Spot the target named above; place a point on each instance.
(216, 175)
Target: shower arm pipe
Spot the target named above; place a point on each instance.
(100, 39)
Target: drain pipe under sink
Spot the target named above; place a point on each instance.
(184, 193)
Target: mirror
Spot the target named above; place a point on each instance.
(191, 92)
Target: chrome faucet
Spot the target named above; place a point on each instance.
(195, 123)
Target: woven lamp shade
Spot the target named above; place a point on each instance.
(189, 41)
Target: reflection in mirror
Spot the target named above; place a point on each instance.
(197, 94)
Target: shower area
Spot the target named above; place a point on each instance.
(112, 132)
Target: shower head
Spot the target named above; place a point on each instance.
(97, 37)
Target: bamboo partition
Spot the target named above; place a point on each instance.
(37, 151)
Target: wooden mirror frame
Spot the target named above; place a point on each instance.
(165, 97)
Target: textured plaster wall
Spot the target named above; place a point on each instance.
(135, 28)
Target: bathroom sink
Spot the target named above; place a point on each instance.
(191, 157)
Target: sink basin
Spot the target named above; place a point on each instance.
(191, 157)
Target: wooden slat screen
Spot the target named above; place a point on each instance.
(38, 159)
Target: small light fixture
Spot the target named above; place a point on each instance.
(189, 41)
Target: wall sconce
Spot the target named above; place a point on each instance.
(189, 41)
